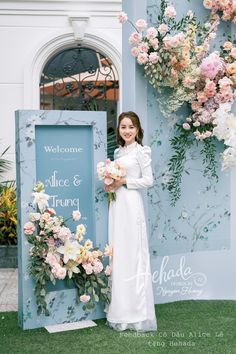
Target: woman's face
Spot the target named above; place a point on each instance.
(127, 130)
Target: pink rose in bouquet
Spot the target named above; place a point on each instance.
(110, 171)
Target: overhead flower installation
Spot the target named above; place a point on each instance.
(177, 61)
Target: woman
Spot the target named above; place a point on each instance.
(132, 305)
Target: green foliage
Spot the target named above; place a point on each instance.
(181, 143)
(4, 163)
(8, 215)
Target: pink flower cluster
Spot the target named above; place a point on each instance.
(227, 7)
(215, 87)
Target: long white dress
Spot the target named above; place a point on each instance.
(132, 305)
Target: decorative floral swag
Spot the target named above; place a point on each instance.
(178, 63)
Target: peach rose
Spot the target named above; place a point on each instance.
(29, 228)
(84, 298)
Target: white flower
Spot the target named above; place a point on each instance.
(70, 251)
(228, 158)
(34, 217)
(41, 199)
(72, 267)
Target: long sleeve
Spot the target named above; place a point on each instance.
(146, 179)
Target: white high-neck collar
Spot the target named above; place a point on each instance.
(130, 146)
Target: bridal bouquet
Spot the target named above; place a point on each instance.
(109, 171)
(58, 253)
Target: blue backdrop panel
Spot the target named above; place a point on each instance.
(61, 149)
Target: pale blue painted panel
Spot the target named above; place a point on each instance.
(36, 133)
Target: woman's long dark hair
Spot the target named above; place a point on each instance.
(136, 122)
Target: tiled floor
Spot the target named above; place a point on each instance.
(8, 289)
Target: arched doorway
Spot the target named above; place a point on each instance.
(80, 78)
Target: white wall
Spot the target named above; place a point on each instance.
(31, 30)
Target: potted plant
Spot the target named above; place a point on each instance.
(8, 218)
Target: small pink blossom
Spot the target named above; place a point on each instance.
(135, 38)
(143, 47)
(50, 242)
(97, 267)
(107, 270)
(135, 51)
(170, 12)
(151, 33)
(84, 298)
(163, 28)
(201, 96)
(153, 57)
(186, 126)
(88, 268)
(51, 260)
(64, 233)
(59, 272)
(141, 24)
(122, 17)
(154, 43)
(142, 58)
(233, 53)
(76, 215)
(174, 73)
(51, 211)
(108, 181)
(29, 228)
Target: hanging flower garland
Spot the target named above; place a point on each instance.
(175, 55)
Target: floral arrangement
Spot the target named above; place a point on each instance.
(109, 171)
(226, 7)
(169, 54)
(57, 253)
(176, 55)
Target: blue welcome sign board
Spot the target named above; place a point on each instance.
(61, 149)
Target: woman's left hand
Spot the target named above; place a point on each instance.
(115, 185)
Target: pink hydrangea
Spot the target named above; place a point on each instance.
(211, 65)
